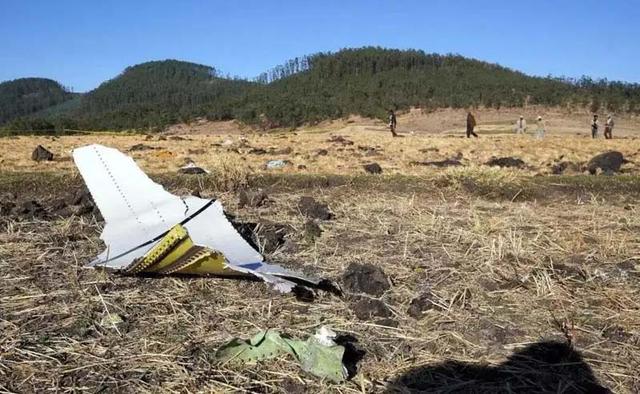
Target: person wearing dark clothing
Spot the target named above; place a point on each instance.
(471, 124)
(594, 127)
(392, 123)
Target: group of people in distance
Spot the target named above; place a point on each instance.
(608, 127)
(520, 126)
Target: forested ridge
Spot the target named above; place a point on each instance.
(26, 96)
(365, 81)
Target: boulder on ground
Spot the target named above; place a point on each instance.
(311, 208)
(506, 162)
(365, 278)
(373, 168)
(607, 162)
(41, 154)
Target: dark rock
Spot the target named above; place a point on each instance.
(440, 163)
(192, 170)
(365, 278)
(561, 167)
(506, 162)
(424, 302)
(302, 167)
(427, 150)
(312, 231)
(251, 198)
(373, 168)
(322, 152)
(257, 151)
(366, 308)
(338, 139)
(607, 162)
(368, 150)
(176, 138)
(310, 208)
(141, 147)
(196, 151)
(162, 138)
(41, 154)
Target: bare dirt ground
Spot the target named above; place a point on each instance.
(494, 279)
(558, 121)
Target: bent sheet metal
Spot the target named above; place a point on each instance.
(148, 229)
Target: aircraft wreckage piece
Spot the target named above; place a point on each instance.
(148, 229)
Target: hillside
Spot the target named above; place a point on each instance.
(307, 90)
(25, 96)
(159, 93)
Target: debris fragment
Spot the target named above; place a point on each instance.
(319, 355)
(373, 168)
(147, 229)
(41, 154)
(277, 164)
(607, 162)
(310, 208)
(365, 278)
(192, 168)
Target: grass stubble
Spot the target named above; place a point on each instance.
(504, 255)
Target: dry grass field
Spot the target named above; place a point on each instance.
(500, 279)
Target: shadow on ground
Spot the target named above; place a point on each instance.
(543, 367)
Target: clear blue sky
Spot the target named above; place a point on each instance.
(82, 43)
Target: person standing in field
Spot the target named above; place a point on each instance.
(541, 128)
(521, 125)
(471, 124)
(594, 126)
(392, 123)
(608, 128)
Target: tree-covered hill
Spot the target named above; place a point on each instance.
(158, 93)
(366, 81)
(25, 96)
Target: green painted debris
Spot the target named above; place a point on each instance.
(319, 355)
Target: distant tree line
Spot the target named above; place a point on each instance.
(366, 81)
